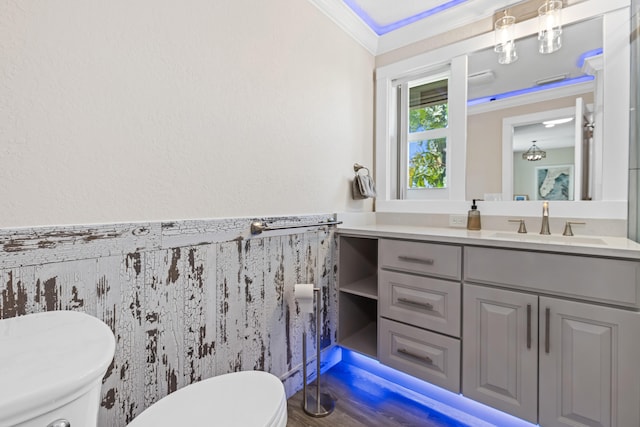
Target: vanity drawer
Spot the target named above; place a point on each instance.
(611, 281)
(432, 357)
(421, 301)
(422, 258)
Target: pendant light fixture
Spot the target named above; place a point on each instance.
(534, 153)
(505, 44)
(550, 26)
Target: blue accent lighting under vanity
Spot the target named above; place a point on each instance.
(380, 29)
(461, 411)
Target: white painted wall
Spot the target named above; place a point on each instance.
(150, 110)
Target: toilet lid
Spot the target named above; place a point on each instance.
(247, 399)
(47, 359)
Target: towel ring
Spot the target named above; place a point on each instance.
(357, 167)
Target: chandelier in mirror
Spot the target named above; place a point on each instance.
(534, 153)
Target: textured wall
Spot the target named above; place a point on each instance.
(186, 300)
(153, 110)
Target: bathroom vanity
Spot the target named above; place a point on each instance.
(546, 328)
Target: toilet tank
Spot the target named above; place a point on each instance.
(51, 369)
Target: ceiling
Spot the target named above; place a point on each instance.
(578, 40)
(385, 25)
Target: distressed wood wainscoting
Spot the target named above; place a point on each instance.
(186, 300)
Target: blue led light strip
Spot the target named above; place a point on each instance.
(448, 403)
(588, 54)
(499, 96)
(384, 29)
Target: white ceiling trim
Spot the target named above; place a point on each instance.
(455, 17)
(349, 22)
(450, 19)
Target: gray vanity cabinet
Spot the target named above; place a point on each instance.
(550, 360)
(500, 350)
(552, 338)
(589, 359)
(419, 307)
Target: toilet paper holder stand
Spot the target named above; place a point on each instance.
(322, 404)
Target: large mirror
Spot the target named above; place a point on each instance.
(530, 122)
(600, 172)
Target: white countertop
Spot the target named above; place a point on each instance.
(616, 247)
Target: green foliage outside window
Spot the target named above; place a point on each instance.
(427, 159)
(427, 118)
(427, 165)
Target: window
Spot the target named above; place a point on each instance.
(423, 134)
(427, 136)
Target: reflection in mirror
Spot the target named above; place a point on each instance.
(551, 174)
(538, 87)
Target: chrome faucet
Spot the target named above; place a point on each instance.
(545, 218)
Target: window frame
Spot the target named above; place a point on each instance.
(405, 138)
(390, 149)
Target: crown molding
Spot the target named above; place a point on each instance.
(349, 22)
(456, 17)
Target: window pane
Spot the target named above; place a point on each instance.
(428, 163)
(428, 106)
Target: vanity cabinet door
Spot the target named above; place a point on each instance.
(589, 358)
(500, 350)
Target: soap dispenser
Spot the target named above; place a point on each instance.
(473, 219)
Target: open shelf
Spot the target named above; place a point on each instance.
(363, 341)
(358, 328)
(358, 296)
(367, 287)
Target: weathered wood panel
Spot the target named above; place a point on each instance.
(201, 232)
(231, 307)
(202, 306)
(17, 292)
(200, 312)
(66, 286)
(327, 280)
(274, 306)
(163, 323)
(120, 297)
(35, 246)
(254, 293)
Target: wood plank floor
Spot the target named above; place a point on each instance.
(362, 401)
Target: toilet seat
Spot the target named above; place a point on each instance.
(248, 399)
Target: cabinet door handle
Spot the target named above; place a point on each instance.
(427, 261)
(425, 305)
(529, 326)
(425, 359)
(547, 327)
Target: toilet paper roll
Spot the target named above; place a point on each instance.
(304, 295)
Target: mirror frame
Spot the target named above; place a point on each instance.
(610, 194)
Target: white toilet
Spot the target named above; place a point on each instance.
(247, 399)
(51, 369)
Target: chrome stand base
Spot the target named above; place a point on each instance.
(322, 403)
(311, 407)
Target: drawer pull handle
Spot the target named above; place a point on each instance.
(59, 423)
(426, 261)
(425, 359)
(425, 305)
(529, 326)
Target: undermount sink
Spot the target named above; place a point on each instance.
(541, 238)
